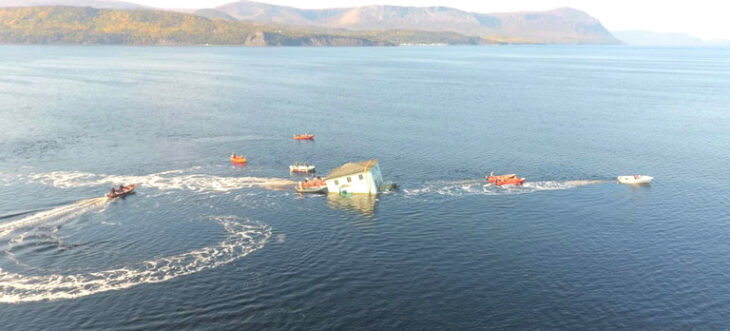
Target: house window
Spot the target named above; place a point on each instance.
(349, 179)
(361, 177)
(337, 182)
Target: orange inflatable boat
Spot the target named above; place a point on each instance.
(237, 159)
(305, 136)
(500, 180)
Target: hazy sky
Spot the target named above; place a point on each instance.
(707, 19)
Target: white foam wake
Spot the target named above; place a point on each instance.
(169, 180)
(478, 187)
(64, 212)
(244, 237)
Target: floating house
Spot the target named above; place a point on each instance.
(356, 178)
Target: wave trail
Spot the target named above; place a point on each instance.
(244, 237)
(66, 212)
(169, 180)
(479, 187)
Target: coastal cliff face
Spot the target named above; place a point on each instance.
(326, 40)
(256, 39)
(276, 39)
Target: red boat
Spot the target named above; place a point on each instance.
(123, 192)
(305, 136)
(500, 180)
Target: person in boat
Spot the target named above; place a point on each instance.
(233, 155)
(112, 192)
(121, 188)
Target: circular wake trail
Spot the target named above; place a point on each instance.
(244, 237)
(169, 180)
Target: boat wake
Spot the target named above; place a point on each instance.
(61, 214)
(38, 284)
(244, 237)
(458, 188)
(168, 180)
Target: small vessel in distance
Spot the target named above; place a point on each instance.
(238, 159)
(499, 180)
(305, 136)
(312, 186)
(635, 179)
(123, 191)
(302, 168)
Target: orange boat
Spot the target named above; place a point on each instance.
(313, 185)
(238, 159)
(305, 136)
(500, 180)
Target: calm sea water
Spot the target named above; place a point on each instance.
(204, 244)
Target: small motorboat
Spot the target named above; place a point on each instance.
(302, 168)
(499, 180)
(305, 136)
(238, 159)
(635, 179)
(312, 186)
(123, 192)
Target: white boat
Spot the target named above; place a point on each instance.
(304, 168)
(635, 179)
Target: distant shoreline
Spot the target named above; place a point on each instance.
(354, 47)
(92, 26)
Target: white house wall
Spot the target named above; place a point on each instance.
(368, 185)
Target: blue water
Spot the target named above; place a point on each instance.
(205, 244)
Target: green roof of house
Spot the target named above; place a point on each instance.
(352, 168)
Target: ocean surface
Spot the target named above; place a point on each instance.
(205, 244)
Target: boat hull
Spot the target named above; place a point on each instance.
(304, 137)
(238, 160)
(313, 186)
(516, 181)
(312, 190)
(302, 169)
(501, 180)
(121, 194)
(635, 180)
